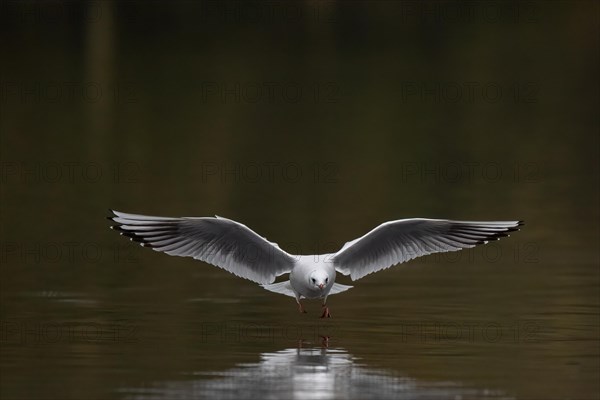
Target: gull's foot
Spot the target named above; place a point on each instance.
(326, 313)
(325, 341)
(301, 308)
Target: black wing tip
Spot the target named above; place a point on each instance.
(485, 236)
(112, 215)
(132, 236)
(517, 227)
(136, 239)
(124, 232)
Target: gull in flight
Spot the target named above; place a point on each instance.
(236, 248)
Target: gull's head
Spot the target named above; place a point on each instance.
(318, 279)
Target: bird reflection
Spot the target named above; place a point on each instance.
(307, 373)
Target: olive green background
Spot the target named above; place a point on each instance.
(310, 122)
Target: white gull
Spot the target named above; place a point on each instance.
(236, 248)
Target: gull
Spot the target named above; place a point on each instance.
(235, 248)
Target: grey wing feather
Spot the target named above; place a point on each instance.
(218, 241)
(339, 288)
(399, 241)
(284, 288)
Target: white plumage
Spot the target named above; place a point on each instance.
(239, 250)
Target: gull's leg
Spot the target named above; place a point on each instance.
(300, 307)
(326, 313)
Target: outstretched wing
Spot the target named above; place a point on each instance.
(217, 241)
(398, 241)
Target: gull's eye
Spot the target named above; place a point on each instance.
(313, 280)
(326, 280)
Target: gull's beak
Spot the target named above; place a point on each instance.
(321, 286)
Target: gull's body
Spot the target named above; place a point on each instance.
(239, 250)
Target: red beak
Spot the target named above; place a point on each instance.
(321, 286)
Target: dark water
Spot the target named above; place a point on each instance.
(311, 123)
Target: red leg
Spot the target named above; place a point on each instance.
(301, 308)
(326, 313)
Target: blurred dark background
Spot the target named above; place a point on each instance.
(311, 122)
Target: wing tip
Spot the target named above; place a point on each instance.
(112, 214)
(517, 226)
(131, 235)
